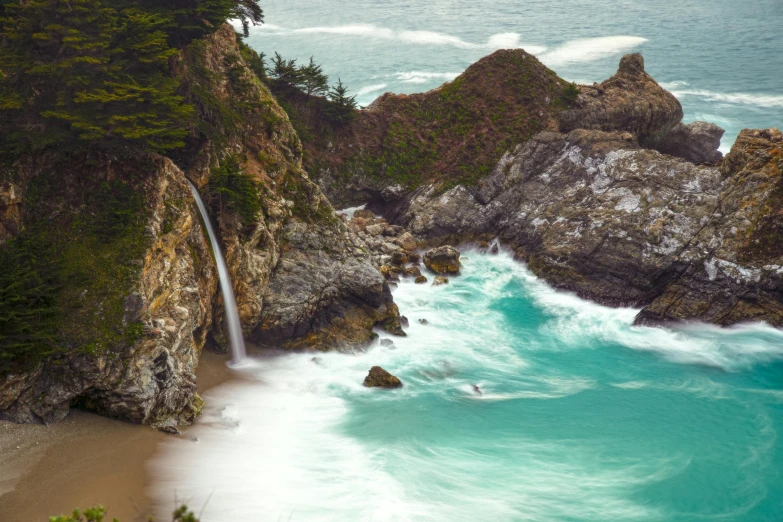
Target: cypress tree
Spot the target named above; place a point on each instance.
(341, 107)
(313, 81)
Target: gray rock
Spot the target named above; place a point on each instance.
(697, 142)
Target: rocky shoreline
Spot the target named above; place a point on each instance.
(601, 190)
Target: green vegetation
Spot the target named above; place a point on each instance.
(94, 74)
(98, 514)
(232, 188)
(63, 281)
(291, 82)
(569, 93)
(342, 108)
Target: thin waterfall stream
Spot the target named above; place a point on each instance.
(235, 337)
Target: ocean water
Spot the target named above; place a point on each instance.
(722, 58)
(581, 417)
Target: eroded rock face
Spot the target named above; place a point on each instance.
(302, 278)
(630, 101)
(697, 142)
(380, 378)
(594, 213)
(442, 260)
(151, 380)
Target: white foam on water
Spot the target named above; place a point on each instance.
(350, 211)
(424, 76)
(763, 100)
(275, 446)
(416, 37)
(574, 320)
(369, 89)
(590, 49)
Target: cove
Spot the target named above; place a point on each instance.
(582, 417)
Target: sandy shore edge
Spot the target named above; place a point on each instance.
(85, 460)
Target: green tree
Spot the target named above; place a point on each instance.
(341, 108)
(233, 189)
(284, 73)
(313, 81)
(80, 69)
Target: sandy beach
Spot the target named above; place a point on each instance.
(83, 461)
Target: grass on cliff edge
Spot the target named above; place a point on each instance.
(64, 280)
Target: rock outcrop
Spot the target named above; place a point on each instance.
(302, 278)
(140, 292)
(697, 142)
(443, 260)
(127, 348)
(623, 204)
(380, 378)
(630, 101)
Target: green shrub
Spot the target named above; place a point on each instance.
(569, 93)
(231, 188)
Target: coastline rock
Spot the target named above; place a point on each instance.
(442, 260)
(630, 101)
(380, 378)
(440, 281)
(163, 306)
(421, 280)
(697, 142)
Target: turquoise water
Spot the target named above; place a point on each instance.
(722, 58)
(582, 417)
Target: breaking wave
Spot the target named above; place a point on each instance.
(590, 49)
(520, 403)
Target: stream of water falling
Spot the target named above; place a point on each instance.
(229, 301)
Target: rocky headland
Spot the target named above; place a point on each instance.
(601, 189)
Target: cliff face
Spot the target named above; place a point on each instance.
(594, 207)
(300, 277)
(118, 284)
(131, 294)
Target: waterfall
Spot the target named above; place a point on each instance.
(229, 301)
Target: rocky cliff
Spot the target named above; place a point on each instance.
(615, 199)
(116, 292)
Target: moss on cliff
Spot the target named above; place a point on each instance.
(455, 134)
(66, 277)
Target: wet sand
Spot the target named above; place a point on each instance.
(84, 460)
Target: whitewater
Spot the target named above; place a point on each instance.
(581, 416)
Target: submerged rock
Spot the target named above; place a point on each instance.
(421, 280)
(442, 260)
(380, 378)
(440, 281)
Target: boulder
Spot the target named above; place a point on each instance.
(399, 258)
(363, 213)
(414, 271)
(421, 280)
(442, 260)
(380, 378)
(440, 281)
(697, 142)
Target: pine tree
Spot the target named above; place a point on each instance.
(313, 80)
(284, 73)
(341, 108)
(79, 71)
